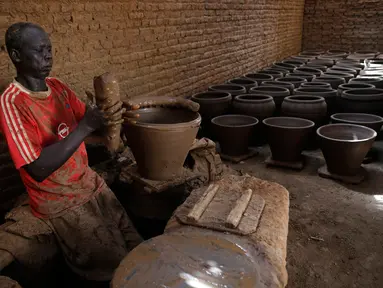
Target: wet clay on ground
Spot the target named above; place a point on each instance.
(335, 230)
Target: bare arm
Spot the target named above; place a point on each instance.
(54, 156)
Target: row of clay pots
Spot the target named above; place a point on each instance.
(344, 145)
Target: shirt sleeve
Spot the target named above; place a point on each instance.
(19, 130)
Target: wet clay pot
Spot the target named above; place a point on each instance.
(275, 74)
(322, 62)
(308, 77)
(309, 70)
(316, 85)
(233, 133)
(376, 81)
(260, 106)
(337, 52)
(259, 77)
(334, 81)
(296, 81)
(212, 104)
(233, 89)
(245, 82)
(346, 76)
(309, 107)
(277, 92)
(160, 140)
(285, 66)
(362, 101)
(374, 122)
(344, 147)
(287, 85)
(287, 137)
(350, 86)
(328, 94)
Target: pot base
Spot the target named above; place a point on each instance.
(236, 159)
(370, 157)
(130, 174)
(356, 179)
(297, 165)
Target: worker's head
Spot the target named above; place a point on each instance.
(29, 48)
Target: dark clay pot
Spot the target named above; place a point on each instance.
(344, 147)
(308, 77)
(245, 82)
(309, 107)
(316, 66)
(285, 66)
(337, 52)
(302, 58)
(346, 76)
(287, 137)
(160, 140)
(334, 81)
(376, 81)
(296, 81)
(259, 106)
(374, 122)
(281, 70)
(233, 133)
(350, 86)
(313, 53)
(287, 85)
(233, 89)
(277, 92)
(316, 85)
(344, 70)
(322, 62)
(328, 94)
(362, 101)
(275, 74)
(212, 104)
(294, 62)
(371, 73)
(259, 77)
(357, 67)
(309, 70)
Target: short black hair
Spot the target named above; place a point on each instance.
(13, 36)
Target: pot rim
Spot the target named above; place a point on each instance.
(272, 72)
(369, 78)
(325, 90)
(366, 52)
(281, 64)
(252, 82)
(317, 84)
(342, 69)
(239, 87)
(193, 123)
(279, 69)
(300, 75)
(308, 68)
(276, 88)
(258, 73)
(378, 118)
(346, 125)
(308, 122)
(293, 61)
(297, 79)
(314, 99)
(262, 98)
(345, 86)
(283, 84)
(218, 98)
(350, 94)
(337, 51)
(255, 121)
(329, 73)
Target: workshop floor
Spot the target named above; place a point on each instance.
(335, 230)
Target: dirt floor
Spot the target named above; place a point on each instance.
(335, 230)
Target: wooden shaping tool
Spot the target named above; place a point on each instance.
(198, 209)
(236, 213)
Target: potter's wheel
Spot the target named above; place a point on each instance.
(193, 259)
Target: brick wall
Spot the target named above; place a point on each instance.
(172, 47)
(343, 24)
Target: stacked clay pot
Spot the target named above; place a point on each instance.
(212, 104)
(260, 106)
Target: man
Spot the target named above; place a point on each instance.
(45, 125)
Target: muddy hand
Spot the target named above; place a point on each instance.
(113, 114)
(93, 118)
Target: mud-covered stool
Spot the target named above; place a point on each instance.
(201, 257)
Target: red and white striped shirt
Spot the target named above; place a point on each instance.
(31, 121)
